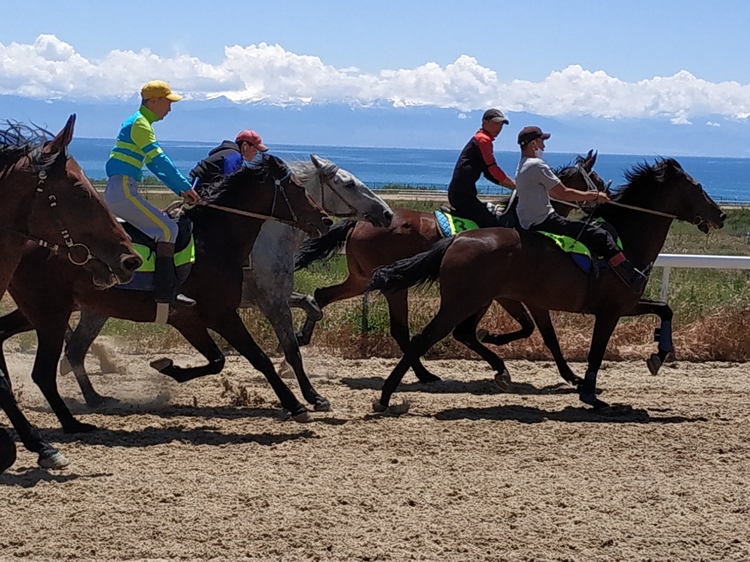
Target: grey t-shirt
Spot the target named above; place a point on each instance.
(534, 179)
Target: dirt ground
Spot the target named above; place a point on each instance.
(212, 470)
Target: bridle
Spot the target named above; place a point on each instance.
(70, 245)
(278, 188)
(324, 174)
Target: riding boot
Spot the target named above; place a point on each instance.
(165, 277)
(626, 271)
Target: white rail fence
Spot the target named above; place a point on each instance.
(669, 261)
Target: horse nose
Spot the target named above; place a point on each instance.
(388, 215)
(723, 216)
(328, 221)
(131, 262)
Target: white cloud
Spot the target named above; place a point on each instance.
(50, 69)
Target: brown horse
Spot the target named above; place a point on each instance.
(477, 267)
(48, 199)
(47, 291)
(411, 232)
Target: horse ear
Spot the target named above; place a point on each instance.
(60, 143)
(316, 161)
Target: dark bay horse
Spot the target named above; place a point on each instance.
(47, 290)
(412, 232)
(47, 198)
(477, 267)
(268, 281)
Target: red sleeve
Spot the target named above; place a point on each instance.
(485, 147)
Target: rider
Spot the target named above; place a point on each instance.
(477, 158)
(536, 182)
(136, 144)
(227, 158)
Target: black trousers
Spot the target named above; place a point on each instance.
(591, 235)
(469, 207)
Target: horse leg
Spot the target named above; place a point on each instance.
(229, 325)
(518, 312)
(466, 333)
(44, 374)
(77, 346)
(49, 457)
(194, 331)
(10, 325)
(323, 296)
(544, 323)
(439, 327)
(280, 317)
(603, 328)
(7, 450)
(664, 332)
(313, 314)
(398, 312)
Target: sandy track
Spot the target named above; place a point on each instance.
(178, 472)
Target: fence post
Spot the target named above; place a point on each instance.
(665, 284)
(365, 311)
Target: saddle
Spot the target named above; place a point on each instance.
(450, 223)
(184, 255)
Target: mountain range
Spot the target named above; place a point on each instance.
(384, 125)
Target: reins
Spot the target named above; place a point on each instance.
(278, 187)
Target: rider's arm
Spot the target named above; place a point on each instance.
(156, 161)
(494, 173)
(563, 193)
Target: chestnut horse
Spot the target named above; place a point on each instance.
(48, 199)
(225, 228)
(411, 232)
(477, 267)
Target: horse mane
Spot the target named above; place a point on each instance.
(641, 180)
(306, 172)
(17, 140)
(211, 193)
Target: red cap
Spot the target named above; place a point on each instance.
(253, 138)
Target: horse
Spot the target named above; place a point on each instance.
(527, 267)
(268, 281)
(48, 199)
(225, 228)
(411, 232)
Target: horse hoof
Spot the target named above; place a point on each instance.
(481, 334)
(97, 402)
(503, 381)
(303, 417)
(395, 409)
(161, 364)
(52, 458)
(428, 378)
(654, 364)
(7, 450)
(593, 401)
(322, 404)
(574, 380)
(79, 427)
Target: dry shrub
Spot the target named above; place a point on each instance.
(722, 336)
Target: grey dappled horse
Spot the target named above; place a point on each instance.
(269, 280)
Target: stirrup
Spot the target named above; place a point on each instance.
(182, 300)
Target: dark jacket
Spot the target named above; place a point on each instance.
(221, 161)
(476, 158)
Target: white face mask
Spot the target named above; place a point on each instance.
(538, 152)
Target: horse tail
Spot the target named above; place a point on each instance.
(408, 272)
(314, 249)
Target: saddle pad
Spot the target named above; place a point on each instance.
(183, 257)
(449, 225)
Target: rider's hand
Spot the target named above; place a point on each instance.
(191, 196)
(601, 197)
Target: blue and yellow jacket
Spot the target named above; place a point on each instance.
(135, 144)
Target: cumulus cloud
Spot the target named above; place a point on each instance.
(50, 69)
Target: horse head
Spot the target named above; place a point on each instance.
(689, 200)
(582, 176)
(342, 194)
(68, 215)
(291, 202)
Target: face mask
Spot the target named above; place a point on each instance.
(538, 152)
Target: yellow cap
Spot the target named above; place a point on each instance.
(158, 89)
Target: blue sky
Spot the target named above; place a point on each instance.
(681, 63)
